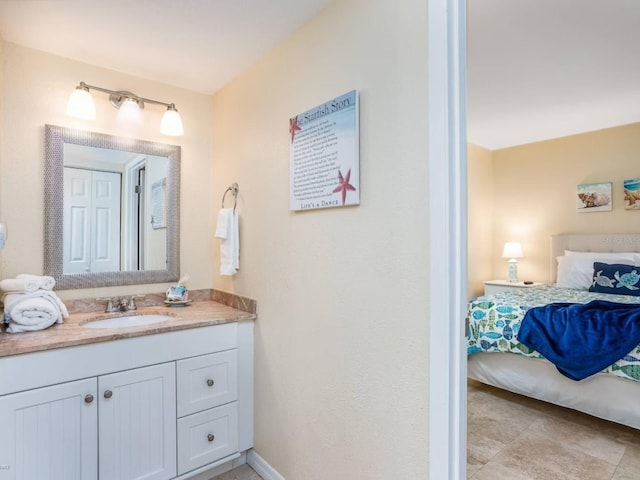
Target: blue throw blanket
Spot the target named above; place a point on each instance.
(582, 339)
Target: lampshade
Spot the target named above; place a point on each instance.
(171, 123)
(80, 104)
(130, 109)
(512, 250)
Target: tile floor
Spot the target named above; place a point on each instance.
(244, 472)
(511, 437)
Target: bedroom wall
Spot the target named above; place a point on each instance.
(480, 172)
(341, 337)
(535, 192)
(1, 136)
(34, 91)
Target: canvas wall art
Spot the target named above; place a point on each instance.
(632, 194)
(324, 158)
(594, 197)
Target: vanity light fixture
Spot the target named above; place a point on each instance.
(80, 105)
(512, 250)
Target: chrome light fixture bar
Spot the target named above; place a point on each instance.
(80, 105)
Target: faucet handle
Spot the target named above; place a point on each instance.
(110, 307)
(132, 302)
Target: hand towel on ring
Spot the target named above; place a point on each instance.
(228, 233)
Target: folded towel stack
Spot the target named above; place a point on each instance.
(29, 303)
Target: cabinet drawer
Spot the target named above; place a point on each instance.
(207, 436)
(207, 381)
(498, 286)
(493, 289)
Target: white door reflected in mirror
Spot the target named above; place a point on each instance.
(110, 210)
(91, 221)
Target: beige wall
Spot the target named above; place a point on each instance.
(535, 192)
(480, 173)
(34, 92)
(342, 329)
(1, 139)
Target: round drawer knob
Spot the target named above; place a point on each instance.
(108, 393)
(88, 398)
(211, 437)
(210, 382)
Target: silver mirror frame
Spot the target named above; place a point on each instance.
(55, 138)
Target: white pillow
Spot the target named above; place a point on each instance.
(633, 256)
(576, 271)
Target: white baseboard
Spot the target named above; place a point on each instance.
(261, 466)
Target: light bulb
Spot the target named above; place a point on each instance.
(129, 113)
(130, 108)
(80, 104)
(171, 123)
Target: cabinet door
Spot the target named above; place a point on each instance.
(50, 433)
(137, 424)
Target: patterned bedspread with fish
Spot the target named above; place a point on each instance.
(494, 322)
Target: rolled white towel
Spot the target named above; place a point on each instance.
(19, 285)
(45, 282)
(14, 327)
(33, 311)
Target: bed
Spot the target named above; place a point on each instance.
(495, 356)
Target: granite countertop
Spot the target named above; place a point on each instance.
(72, 332)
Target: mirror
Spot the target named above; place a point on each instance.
(112, 212)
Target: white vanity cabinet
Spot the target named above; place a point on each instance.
(156, 407)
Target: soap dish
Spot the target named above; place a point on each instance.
(177, 303)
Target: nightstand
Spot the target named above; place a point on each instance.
(497, 286)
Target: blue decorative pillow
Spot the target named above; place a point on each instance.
(616, 278)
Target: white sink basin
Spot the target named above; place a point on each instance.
(127, 321)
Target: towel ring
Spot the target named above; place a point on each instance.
(234, 191)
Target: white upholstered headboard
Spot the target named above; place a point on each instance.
(623, 242)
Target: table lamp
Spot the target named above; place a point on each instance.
(512, 250)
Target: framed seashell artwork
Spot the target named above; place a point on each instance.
(594, 197)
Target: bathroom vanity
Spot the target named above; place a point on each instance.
(168, 400)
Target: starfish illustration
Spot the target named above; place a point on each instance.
(293, 127)
(344, 185)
